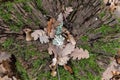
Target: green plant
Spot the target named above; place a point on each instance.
(22, 71)
(8, 43)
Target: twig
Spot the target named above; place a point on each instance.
(58, 73)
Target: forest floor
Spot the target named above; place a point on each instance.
(33, 59)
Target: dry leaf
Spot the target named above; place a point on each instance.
(67, 49)
(54, 50)
(117, 57)
(52, 33)
(53, 73)
(68, 36)
(115, 72)
(71, 39)
(79, 54)
(67, 11)
(60, 18)
(116, 75)
(41, 35)
(61, 53)
(50, 25)
(63, 60)
(2, 69)
(68, 68)
(109, 72)
(4, 56)
(5, 78)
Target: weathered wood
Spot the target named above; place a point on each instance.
(85, 16)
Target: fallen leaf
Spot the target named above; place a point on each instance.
(2, 69)
(50, 25)
(111, 71)
(53, 73)
(68, 68)
(79, 54)
(4, 56)
(60, 18)
(63, 60)
(68, 36)
(41, 35)
(54, 50)
(71, 39)
(67, 11)
(117, 57)
(67, 50)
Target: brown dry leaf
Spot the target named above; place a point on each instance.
(60, 18)
(61, 53)
(67, 49)
(50, 25)
(68, 36)
(67, 11)
(117, 57)
(41, 35)
(115, 73)
(53, 73)
(54, 50)
(71, 39)
(68, 68)
(52, 33)
(110, 71)
(4, 56)
(79, 54)
(5, 78)
(2, 69)
(63, 60)
(117, 12)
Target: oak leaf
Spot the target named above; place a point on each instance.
(79, 54)
(67, 49)
(68, 68)
(60, 18)
(67, 11)
(109, 72)
(41, 35)
(63, 60)
(50, 25)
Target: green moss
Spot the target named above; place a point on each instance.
(109, 47)
(8, 43)
(87, 67)
(84, 38)
(39, 6)
(39, 3)
(102, 14)
(106, 30)
(27, 8)
(21, 1)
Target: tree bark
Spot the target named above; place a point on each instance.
(84, 18)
